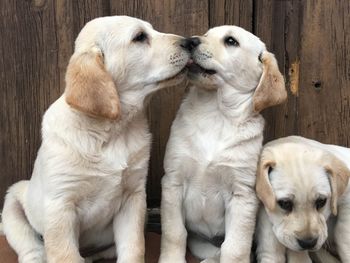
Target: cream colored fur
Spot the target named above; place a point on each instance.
(303, 170)
(213, 150)
(87, 189)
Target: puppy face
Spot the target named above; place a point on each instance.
(303, 196)
(121, 54)
(136, 54)
(232, 58)
(227, 55)
(299, 187)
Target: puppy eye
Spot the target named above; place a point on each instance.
(269, 170)
(285, 204)
(230, 41)
(140, 37)
(320, 202)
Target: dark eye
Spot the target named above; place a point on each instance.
(320, 202)
(230, 41)
(270, 170)
(140, 37)
(286, 204)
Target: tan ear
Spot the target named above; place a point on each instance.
(339, 175)
(263, 186)
(89, 87)
(271, 88)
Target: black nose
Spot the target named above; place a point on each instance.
(307, 243)
(190, 43)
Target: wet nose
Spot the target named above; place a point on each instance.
(307, 243)
(190, 43)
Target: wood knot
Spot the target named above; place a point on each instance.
(317, 85)
(38, 4)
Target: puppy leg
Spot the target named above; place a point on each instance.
(203, 250)
(269, 249)
(298, 257)
(239, 224)
(61, 233)
(342, 232)
(174, 234)
(211, 260)
(128, 227)
(19, 233)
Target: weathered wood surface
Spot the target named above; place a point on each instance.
(311, 40)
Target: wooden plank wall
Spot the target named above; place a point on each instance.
(311, 40)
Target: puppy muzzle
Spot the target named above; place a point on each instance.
(190, 44)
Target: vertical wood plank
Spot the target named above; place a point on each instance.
(37, 41)
(231, 12)
(325, 72)
(311, 42)
(29, 78)
(70, 17)
(174, 16)
(278, 24)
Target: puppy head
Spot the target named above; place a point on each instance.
(117, 55)
(299, 185)
(231, 56)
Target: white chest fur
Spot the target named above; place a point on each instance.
(92, 165)
(212, 156)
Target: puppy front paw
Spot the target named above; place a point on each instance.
(234, 258)
(171, 259)
(210, 260)
(35, 256)
(68, 258)
(133, 259)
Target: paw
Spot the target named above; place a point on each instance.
(210, 260)
(133, 259)
(298, 257)
(37, 256)
(127, 261)
(228, 255)
(235, 259)
(171, 259)
(32, 260)
(70, 260)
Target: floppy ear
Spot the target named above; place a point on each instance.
(89, 87)
(339, 175)
(271, 88)
(263, 186)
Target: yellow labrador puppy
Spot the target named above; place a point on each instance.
(87, 189)
(303, 185)
(208, 196)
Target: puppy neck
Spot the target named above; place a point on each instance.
(231, 104)
(234, 103)
(132, 103)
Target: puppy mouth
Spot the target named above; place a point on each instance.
(197, 69)
(177, 75)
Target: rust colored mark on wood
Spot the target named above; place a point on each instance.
(294, 77)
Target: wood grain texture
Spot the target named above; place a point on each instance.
(278, 24)
(325, 72)
(36, 43)
(315, 35)
(37, 40)
(231, 12)
(29, 78)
